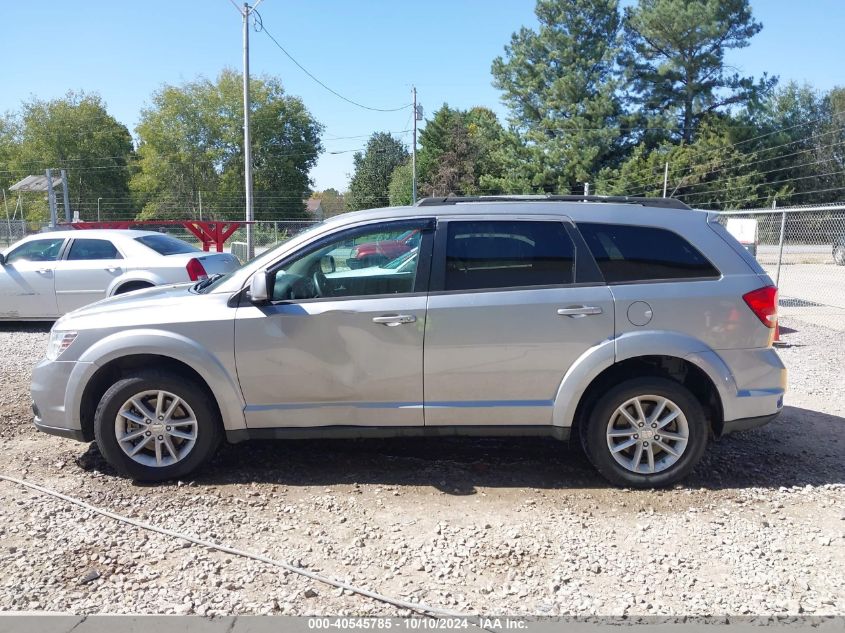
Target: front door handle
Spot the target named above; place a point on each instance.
(579, 311)
(112, 269)
(391, 320)
(44, 271)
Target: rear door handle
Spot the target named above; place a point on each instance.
(113, 269)
(579, 311)
(391, 320)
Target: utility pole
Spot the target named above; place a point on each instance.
(414, 151)
(98, 209)
(65, 196)
(665, 178)
(586, 189)
(199, 193)
(51, 198)
(250, 244)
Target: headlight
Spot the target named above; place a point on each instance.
(59, 342)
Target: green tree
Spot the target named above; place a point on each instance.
(712, 172)
(560, 83)
(370, 184)
(76, 133)
(332, 201)
(674, 57)
(458, 149)
(401, 188)
(191, 141)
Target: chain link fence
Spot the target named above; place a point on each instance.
(801, 248)
(265, 234)
(803, 251)
(11, 231)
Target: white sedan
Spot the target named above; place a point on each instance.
(48, 274)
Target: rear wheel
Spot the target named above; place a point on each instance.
(155, 426)
(646, 432)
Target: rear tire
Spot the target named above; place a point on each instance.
(155, 426)
(646, 433)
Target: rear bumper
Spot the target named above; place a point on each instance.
(744, 424)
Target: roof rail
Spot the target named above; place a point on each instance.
(665, 203)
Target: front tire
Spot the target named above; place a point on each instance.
(646, 433)
(155, 426)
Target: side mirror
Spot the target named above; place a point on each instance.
(258, 288)
(2, 259)
(327, 264)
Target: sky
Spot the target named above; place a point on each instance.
(372, 51)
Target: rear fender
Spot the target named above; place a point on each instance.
(632, 345)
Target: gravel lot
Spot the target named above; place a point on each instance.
(490, 526)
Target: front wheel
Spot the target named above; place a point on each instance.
(155, 426)
(645, 433)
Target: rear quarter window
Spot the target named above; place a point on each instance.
(627, 253)
(166, 245)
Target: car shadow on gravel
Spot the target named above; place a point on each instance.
(801, 447)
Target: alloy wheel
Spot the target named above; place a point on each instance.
(647, 434)
(156, 428)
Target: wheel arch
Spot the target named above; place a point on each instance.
(119, 354)
(646, 353)
(133, 277)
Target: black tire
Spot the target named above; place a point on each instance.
(595, 436)
(208, 427)
(132, 285)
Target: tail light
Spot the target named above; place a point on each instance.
(195, 269)
(764, 303)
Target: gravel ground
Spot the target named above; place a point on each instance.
(491, 526)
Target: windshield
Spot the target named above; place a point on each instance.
(261, 259)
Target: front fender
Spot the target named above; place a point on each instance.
(632, 345)
(160, 343)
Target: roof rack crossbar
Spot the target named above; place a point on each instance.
(665, 203)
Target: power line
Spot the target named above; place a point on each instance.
(261, 28)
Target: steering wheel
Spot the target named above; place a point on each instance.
(318, 279)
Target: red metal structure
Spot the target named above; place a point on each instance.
(207, 233)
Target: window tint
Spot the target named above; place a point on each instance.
(37, 251)
(166, 245)
(641, 253)
(503, 254)
(92, 249)
(372, 261)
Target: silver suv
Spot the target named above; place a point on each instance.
(639, 326)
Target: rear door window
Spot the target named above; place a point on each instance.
(627, 253)
(504, 254)
(92, 249)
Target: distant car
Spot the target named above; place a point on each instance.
(46, 275)
(839, 250)
(379, 252)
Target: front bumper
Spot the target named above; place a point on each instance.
(50, 389)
